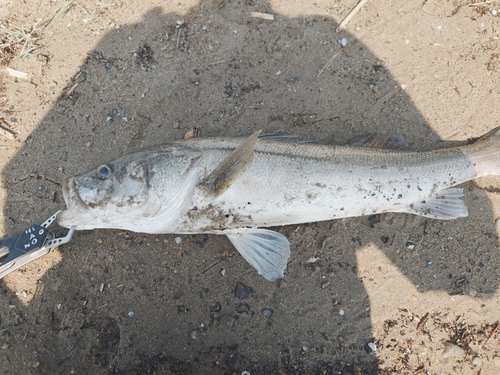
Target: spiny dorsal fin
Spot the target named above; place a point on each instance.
(232, 167)
(380, 141)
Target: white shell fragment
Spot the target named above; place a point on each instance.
(16, 73)
(263, 16)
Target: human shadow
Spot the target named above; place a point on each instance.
(135, 303)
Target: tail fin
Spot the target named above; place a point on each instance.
(485, 153)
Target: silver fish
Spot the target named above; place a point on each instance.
(235, 186)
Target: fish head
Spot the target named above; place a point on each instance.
(109, 196)
(141, 192)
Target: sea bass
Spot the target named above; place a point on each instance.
(236, 186)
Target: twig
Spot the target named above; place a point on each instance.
(495, 329)
(350, 15)
(70, 91)
(29, 36)
(482, 3)
(327, 65)
(216, 62)
(6, 132)
(178, 38)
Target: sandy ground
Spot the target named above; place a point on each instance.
(114, 76)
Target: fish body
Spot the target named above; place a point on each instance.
(236, 186)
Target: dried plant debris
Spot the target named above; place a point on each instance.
(17, 42)
(451, 337)
(144, 57)
(493, 63)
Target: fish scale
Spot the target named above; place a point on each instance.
(237, 186)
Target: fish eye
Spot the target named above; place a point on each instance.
(103, 172)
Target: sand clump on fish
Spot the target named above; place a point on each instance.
(237, 186)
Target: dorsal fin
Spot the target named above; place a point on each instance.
(231, 168)
(382, 142)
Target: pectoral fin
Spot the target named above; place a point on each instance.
(445, 205)
(232, 167)
(266, 251)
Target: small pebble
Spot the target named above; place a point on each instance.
(194, 335)
(494, 12)
(245, 373)
(243, 308)
(371, 348)
(343, 42)
(477, 361)
(59, 306)
(304, 348)
(267, 313)
(410, 245)
(179, 22)
(453, 350)
(114, 112)
(226, 319)
(429, 262)
(131, 314)
(242, 291)
(215, 307)
(341, 312)
(178, 240)
(193, 133)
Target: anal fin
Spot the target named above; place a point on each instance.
(445, 205)
(266, 251)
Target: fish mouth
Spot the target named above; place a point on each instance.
(75, 206)
(71, 195)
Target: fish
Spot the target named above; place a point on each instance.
(238, 187)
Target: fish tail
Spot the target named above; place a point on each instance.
(485, 154)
